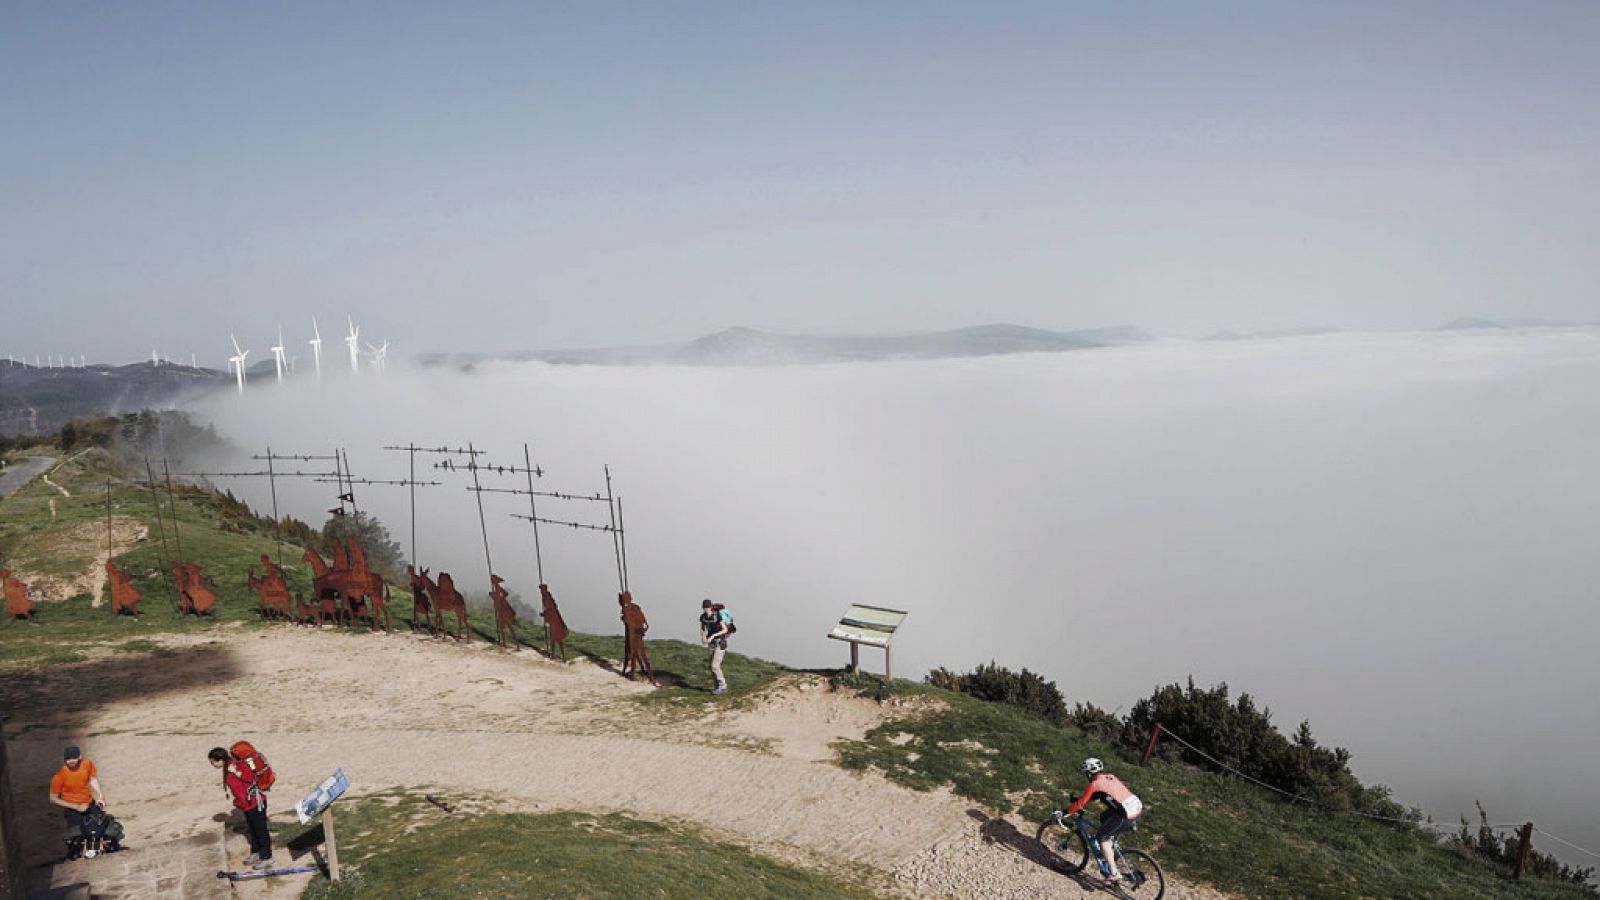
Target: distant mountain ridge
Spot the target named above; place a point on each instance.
(38, 401)
(751, 347)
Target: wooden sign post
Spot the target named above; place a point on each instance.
(320, 803)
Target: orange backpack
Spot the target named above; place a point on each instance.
(250, 760)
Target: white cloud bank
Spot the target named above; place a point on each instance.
(1394, 535)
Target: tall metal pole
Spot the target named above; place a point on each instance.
(109, 550)
(622, 536)
(172, 502)
(350, 480)
(477, 491)
(616, 548)
(277, 531)
(161, 528)
(533, 512)
(413, 479)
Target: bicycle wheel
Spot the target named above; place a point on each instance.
(1064, 844)
(1141, 876)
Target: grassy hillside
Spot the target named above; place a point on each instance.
(400, 845)
(1206, 827)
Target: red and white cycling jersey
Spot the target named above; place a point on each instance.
(1109, 787)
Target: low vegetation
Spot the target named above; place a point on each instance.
(1206, 826)
(400, 845)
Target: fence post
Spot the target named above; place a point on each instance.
(1523, 846)
(1155, 734)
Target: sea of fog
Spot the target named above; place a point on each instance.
(1396, 536)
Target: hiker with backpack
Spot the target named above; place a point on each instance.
(247, 777)
(76, 789)
(716, 624)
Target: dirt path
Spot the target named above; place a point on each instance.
(82, 548)
(407, 712)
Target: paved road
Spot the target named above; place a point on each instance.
(20, 472)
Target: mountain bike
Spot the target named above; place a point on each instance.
(1068, 841)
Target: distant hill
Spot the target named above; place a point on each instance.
(37, 401)
(1466, 323)
(750, 347)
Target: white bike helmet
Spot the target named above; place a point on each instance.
(1093, 765)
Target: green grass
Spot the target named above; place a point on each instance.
(1203, 826)
(399, 845)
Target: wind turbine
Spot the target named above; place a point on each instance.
(237, 361)
(354, 340)
(378, 354)
(277, 355)
(316, 346)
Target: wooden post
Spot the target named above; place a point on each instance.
(333, 845)
(888, 672)
(1523, 846)
(1150, 748)
(855, 658)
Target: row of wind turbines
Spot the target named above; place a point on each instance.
(377, 356)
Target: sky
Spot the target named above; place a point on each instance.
(529, 176)
(1391, 535)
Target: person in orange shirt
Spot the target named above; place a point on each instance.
(76, 788)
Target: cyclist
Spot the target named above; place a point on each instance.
(1122, 811)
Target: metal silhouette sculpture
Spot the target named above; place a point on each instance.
(197, 598)
(307, 614)
(364, 593)
(272, 592)
(505, 616)
(18, 604)
(445, 599)
(124, 596)
(421, 607)
(555, 626)
(634, 626)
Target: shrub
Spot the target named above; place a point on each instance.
(1241, 736)
(1502, 851)
(998, 684)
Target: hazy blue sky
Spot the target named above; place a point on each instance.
(482, 176)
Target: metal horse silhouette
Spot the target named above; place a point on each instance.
(446, 598)
(18, 606)
(364, 593)
(421, 607)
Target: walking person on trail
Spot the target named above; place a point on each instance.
(76, 789)
(246, 777)
(1123, 809)
(716, 623)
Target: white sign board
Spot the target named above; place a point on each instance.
(320, 799)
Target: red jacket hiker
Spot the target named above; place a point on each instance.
(241, 784)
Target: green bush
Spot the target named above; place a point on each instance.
(998, 684)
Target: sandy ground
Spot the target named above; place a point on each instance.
(533, 734)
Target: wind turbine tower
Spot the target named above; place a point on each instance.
(353, 339)
(316, 346)
(237, 361)
(277, 355)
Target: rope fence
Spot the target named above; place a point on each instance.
(1525, 829)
